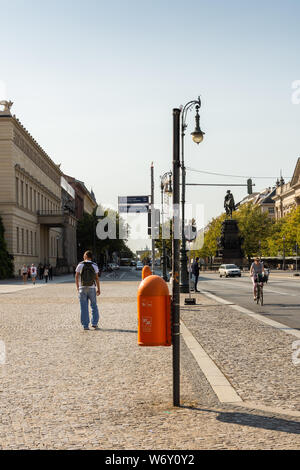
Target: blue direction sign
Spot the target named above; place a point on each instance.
(133, 200)
(134, 208)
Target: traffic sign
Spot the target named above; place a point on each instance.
(133, 200)
(133, 208)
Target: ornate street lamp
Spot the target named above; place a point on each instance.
(165, 186)
(197, 136)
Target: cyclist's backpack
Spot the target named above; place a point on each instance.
(88, 275)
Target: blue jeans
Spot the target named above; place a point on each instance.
(86, 294)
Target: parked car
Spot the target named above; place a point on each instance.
(139, 266)
(132, 262)
(112, 267)
(229, 270)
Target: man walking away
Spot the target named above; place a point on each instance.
(46, 274)
(195, 272)
(33, 272)
(87, 280)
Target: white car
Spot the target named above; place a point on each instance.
(229, 270)
(139, 266)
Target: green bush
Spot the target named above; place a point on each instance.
(6, 260)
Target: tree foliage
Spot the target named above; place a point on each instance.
(6, 260)
(88, 240)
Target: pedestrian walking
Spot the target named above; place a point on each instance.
(50, 269)
(24, 272)
(195, 272)
(33, 272)
(88, 287)
(46, 274)
(41, 272)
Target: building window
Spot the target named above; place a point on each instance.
(34, 200)
(35, 244)
(22, 235)
(22, 193)
(17, 190)
(31, 243)
(18, 241)
(31, 202)
(27, 242)
(26, 196)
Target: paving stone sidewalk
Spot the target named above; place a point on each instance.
(255, 358)
(65, 388)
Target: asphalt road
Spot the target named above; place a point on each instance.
(281, 295)
(123, 274)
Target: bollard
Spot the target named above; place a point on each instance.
(146, 271)
(154, 312)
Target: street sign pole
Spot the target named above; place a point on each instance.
(152, 218)
(175, 260)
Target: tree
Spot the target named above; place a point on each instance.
(88, 240)
(6, 260)
(211, 236)
(255, 227)
(288, 227)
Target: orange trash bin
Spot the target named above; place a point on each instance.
(146, 271)
(154, 312)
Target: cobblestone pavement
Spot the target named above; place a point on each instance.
(65, 388)
(255, 358)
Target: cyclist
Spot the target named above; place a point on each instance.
(257, 267)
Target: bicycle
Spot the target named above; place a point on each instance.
(115, 274)
(260, 279)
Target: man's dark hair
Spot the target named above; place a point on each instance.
(88, 254)
(197, 259)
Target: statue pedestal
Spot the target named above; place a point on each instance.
(230, 244)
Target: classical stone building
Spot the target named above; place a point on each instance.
(287, 194)
(85, 200)
(38, 229)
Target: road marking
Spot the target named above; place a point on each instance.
(219, 383)
(243, 284)
(256, 316)
(221, 386)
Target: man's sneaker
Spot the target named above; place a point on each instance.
(86, 328)
(95, 327)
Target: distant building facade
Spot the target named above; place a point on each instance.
(85, 200)
(287, 195)
(263, 199)
(38, 228)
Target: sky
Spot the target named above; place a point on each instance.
(95, 83)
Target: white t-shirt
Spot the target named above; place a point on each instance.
(33, 271)
(80, 267)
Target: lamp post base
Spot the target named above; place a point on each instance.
(184, 280)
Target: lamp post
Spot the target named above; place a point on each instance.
(283, 261)
(175, 259)
(197, 136)
(165, 186)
